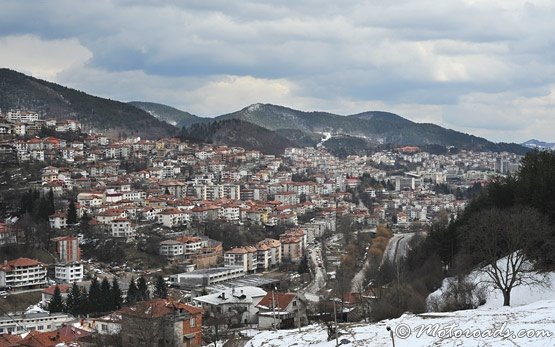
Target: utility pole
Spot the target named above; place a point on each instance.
(336, 328)
(298, 310)
(274, 309)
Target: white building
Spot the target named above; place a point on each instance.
(22, 273)
(68, 273)
(40, 321)
(245, 257)
(238, 303)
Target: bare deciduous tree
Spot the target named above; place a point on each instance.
(505, 243)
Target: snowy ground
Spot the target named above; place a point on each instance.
(532, 313)
(487, 326)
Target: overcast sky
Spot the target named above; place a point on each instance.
(485, 67)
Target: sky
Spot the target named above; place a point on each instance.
(485, 67)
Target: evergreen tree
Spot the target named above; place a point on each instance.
(73, 300)
(57, 303)
(41, 210)
(50, 197)
(95, 297)
(143, 293)
(303, 265)
(84, 224)
(132, 292)
(116, 295)
(83, 306)
(105, 303)
(161, 291)
(71, 213)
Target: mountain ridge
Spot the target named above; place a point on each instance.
(18, 90)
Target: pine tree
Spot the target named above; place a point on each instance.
(116, 295)
(83, 306)
(57, 303)
(71, 213)
(73, 300)
(51, 207)
(95, 297)
(132, 292)
(161, 291)
(142, 287)
(105, 303)
(303, 265)
(84, 225)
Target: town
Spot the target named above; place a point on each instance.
(124, 241)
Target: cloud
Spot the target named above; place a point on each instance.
(41, 58)
(478, 66)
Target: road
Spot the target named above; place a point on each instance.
(320, 275)
(396, 249)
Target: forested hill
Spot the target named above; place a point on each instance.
(376, 128)
(20, 91)
(237, 133)
(170, 114)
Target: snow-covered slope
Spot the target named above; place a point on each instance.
(486, 326)
(520, 295)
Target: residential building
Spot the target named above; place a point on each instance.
(281, 311)
(161, 322)
(237, 304)
(22, 273)
(245, 257)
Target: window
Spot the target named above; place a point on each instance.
(192, 322)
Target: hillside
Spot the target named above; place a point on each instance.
(18, 90)
(418, 330)
(169, 114)
(237, 133)
(374, 127)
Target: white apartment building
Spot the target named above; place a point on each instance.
(171, 248)
(229, 213)
(122, 227)
(22, 116)
(22, 273)
(68, 273)
(245, 257)
(42, 321)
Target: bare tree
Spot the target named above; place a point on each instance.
(505, 243)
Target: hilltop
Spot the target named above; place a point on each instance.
(169, 114)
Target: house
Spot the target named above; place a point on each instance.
(58, 220)
(237, 304)
(161, 322)
(281, 310)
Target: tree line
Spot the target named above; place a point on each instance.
(104, 296)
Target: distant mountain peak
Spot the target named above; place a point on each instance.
(533, 143)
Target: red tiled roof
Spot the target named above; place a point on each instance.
(8, 340)
(20, 262)
(64, 288)
(281, 300)
(158, 308)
